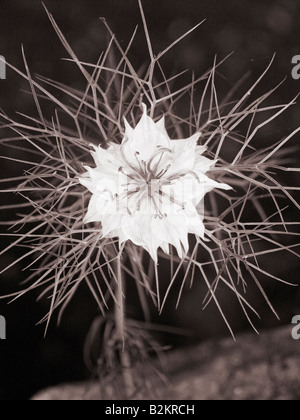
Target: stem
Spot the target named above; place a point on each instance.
(120, 315)
(119, 306)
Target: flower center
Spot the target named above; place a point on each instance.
(154, 186)
(148, 194)
(145, 186)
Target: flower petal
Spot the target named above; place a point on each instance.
(161, 126)
(111, 225)
(137, 228)
(203, 164)
(173, 230)
(184, 190)
(184, 155)
(195, 221)
(143, 140)
(209, 184)
(108, 161)
(92, 214)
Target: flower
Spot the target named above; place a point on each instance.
(149, 188)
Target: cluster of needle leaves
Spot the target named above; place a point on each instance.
(63, 252)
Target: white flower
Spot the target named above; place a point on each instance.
(148, 189)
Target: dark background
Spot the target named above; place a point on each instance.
(254, 30)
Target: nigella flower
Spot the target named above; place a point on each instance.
(149, 188)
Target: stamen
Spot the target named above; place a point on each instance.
(139, 162)
(160, 159)
(164, 171)
(147, 182)
(139, 203)
(126, 161)
(134, 191)
(160, 151)
(195, 175)
(173, 200)
(180, 175)
(153, 187)
(130, 176)
(159, 213)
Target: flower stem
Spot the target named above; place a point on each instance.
(120, 315)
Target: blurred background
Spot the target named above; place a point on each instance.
(254, 31)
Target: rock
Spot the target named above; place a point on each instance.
(265, 367)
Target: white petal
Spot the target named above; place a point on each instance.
(134, 227)
(161, 125)
(86, 181)
(195, 222)
(209, 184)
(200, 150)
(185, 189)
(181, 144)
(184, 155)
(108, 161)
(137, 228)
(165, 247)
(173, 230)
(92, 214)
(203, 164)
(194, 188)
(111, 225)
(143, 140)
(128, 128)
